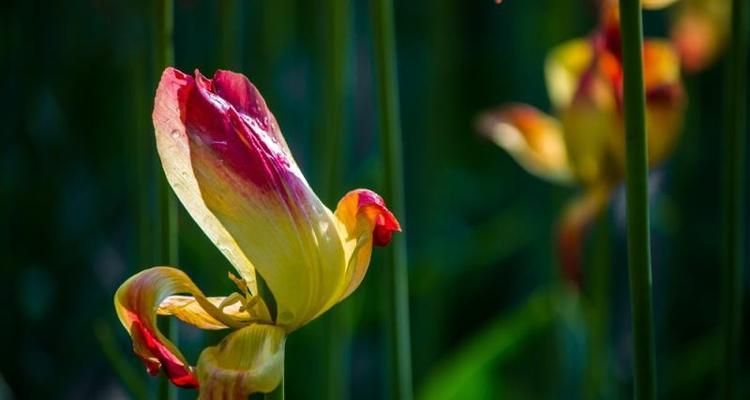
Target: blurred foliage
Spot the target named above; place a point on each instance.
(489, 317)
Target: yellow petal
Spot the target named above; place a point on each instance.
(532, 138)
(189, 310)
(137, 301)
(249, 360)
(563, 69)
(174, 151)
(590, 129)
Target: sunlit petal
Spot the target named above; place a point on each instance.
(174, 151)
(534, 139)
(137, 301)
(189, 310)
(249, 360)
(656, 4)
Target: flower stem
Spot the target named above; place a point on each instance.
(334, 66)
(734, 199)
(397, 286)
(639, 251)
(167, 203)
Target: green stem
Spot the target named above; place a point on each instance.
(598, 310)
(734, 199)
(397, 286)
(639, 251)
(230, 35)
(278, 393)
(335, 50)
(167, 220)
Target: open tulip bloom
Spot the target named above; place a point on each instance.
(225, 158)
(586, 145)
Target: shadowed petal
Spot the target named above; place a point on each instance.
(249, 360)
(572, 228)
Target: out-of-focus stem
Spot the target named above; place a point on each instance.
(335, 51)
(598, 312)
(397, 286)
(167, 219)
(230, 35)
(734, 199)
(638, 235)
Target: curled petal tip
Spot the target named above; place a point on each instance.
(384, 222)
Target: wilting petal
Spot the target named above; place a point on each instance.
(249, 360)
(572, 228)
(365, 221)
(699, 31)
(534, 139)
(136, 303)
(174, 151)
(226, 141)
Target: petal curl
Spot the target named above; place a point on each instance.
(656, 4)
(249, 360)
(174, 150)
(365, 221)
(534, 139)
(137, 301)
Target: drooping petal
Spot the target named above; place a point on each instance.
(137, 301)
(534, 139)
(174, 151)
(365, 221)
(249, 360)
(242, 174)
(575, 221)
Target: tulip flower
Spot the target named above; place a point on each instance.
(585, 144)
(225, 158)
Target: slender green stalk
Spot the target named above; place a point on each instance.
(397, 285)
(167, 219)
(734, 199)
(598, 311)
(638, 236)
(230, 35)
(335, 51)
(277, 394)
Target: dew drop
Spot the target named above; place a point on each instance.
(175, 134)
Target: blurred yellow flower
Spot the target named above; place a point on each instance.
(585, 145)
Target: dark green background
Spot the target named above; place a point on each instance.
(76, 90)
